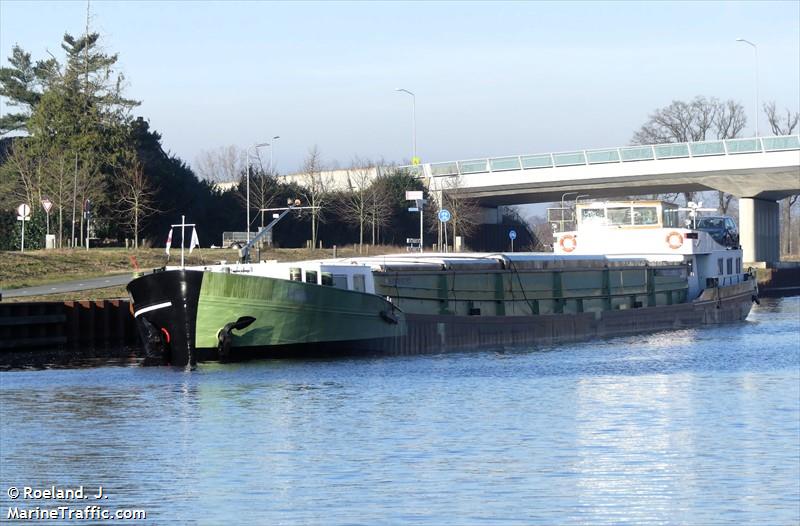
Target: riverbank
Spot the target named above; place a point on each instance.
(41, 267)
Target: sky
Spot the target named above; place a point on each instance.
(491, 79)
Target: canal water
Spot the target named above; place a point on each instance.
(688, 427)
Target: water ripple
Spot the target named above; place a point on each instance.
(683, 427)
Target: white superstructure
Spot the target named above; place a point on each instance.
(651, 230)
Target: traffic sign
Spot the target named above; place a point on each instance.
(47, 204)
(24, 211)
(444, 215)
(512, 235)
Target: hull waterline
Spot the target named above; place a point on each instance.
(181, 313)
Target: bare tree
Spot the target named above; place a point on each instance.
(380, 206)
(354, 205)
(315, 189)
(136, 198)
(786, 233)
(263, 188)
(23, 174)
(542, 232)
(784, 125)
(220, 165)
(781, 124)
(58, 187)
(681, 121)
(464, 212)
(729, 120)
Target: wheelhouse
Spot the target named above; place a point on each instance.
(627, 214)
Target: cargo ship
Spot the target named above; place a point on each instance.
(626, 267)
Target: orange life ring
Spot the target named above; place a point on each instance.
(675, 240)
(568, 243)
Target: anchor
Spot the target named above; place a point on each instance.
(225, 337)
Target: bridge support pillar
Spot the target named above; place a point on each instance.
(759, 230)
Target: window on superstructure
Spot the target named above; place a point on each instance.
(327, 279)
(730, 265)
(738, 265)
(719, 266)
(296, 274)
(311, 276)
(340, 281)
(358, 282)
(671, 218)
(619, 216)
(593, 215)
(645, 215)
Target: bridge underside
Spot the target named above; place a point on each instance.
(769, 184)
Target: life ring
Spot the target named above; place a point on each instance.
(568, 243)
(675, 240)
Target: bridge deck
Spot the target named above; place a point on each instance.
(624, 154)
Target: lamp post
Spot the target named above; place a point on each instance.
(271, 148)
(413, 124)
(755, 49)
(247, 160)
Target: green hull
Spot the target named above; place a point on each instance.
(289, 312)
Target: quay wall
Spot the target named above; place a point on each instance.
(65, 323)
(779, 281)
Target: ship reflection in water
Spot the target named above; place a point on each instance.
(688, 427)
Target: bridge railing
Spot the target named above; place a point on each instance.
(622, 154)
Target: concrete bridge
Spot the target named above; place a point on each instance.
(759, 171)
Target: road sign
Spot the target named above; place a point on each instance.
(413, 209)
(47, 205)
(24, 212)
(413, 195)
(512, 235)
(444, 215)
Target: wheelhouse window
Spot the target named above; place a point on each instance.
(593, 215)
(619, 216)
(645, 215)
(358, 282)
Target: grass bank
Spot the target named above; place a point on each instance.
(40, 267)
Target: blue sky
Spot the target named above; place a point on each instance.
(490, 78)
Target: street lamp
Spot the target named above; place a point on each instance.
(755, 49)
(247, 160)
(271, 147)
(413, 123)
